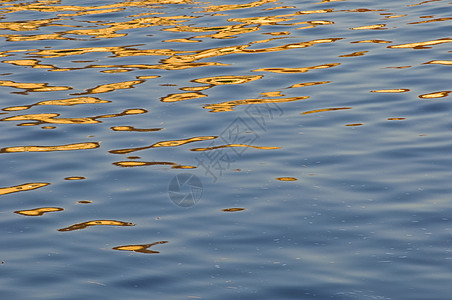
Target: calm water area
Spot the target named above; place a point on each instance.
(254, 150)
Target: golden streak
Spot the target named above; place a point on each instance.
(396, 119)
(84, 201)
(215, 8)
(435, 95)
(78, 146)
(423, 2)
(171, 143)
(142, 163)
(292, 46)
(34, 63)
(117, 51)
(267, 20)
(272, 94)
(183, 167)
(372, 41)
(286, 179)
(396, 16)
(221, 80)
(84, 225)
(75, 178)
(278, 33)
(182, 97)
(181, 41)
(105, 88)
(51, 118)
(33, 87)
(222, 32)
(22, 187)
(421, 45)
(296, 70)
(175, 143)
(229, 105)
(73, 101)
(16, 108)
(319, 11)
(233, 209)
(129, 164)
(308, 84)
(24, 25)
(432, 20)
(373, 27)
(195, 88)
(148, 77)
(38, 211)
(140, 248)
(359, 53)
(391, 91)
(131, 128)
(440, 62)
(324, 109)
(234, 145)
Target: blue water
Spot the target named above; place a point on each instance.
(318, 133)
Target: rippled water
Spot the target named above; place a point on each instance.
(225, 150)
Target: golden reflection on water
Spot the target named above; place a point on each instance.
(432, 20)
(233, 209)
(225, 7)
(229, 105)
(367, 27)
(308, 84)
(84, 202)
(84, 225)
(126, 66)
(222, 80)
(182, 97)
(171, 143)
(53, 117)
(286, 179)
(396, 119)
(22, 187)
(391, 91)
(422, 45)
(129, 164)
(440, 62)
(234, 145)
(323, 110)
(358, 53)
(75, 178)
(435, 95)
(296, 70)
(33, 87)
(131, 128)
(144, 248)
(372, 41)
(63, 102)
(110, 87)
(38, 211)
(77, 146)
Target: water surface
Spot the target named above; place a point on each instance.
(319, 133)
